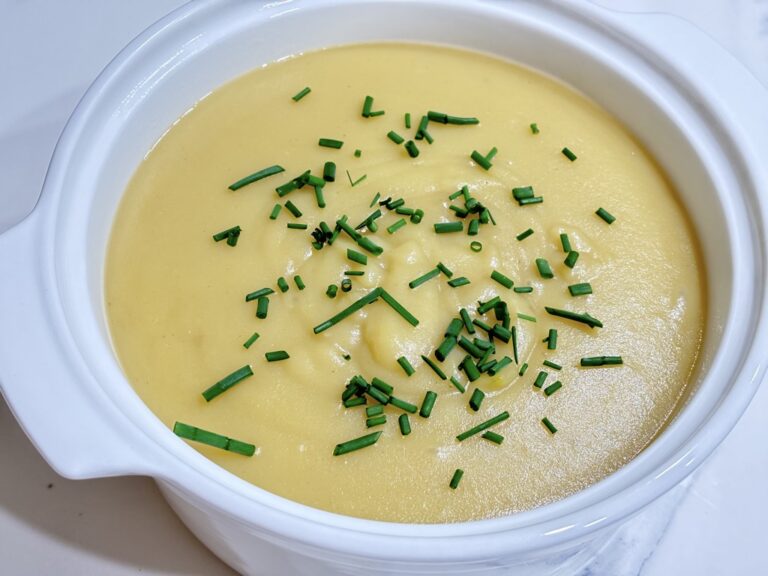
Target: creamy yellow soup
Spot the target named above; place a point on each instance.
(179, 319)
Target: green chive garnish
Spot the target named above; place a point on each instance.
(485, 306)
(526, 201)
(545, 270)
(247, 344)
(435, 368)
(565, 241)
(523, 289)
(580, 289)
(540, 379)
(329, 171)
(396, 226)
(412, 149)
(399, 308)
(354, 273)
(376, 421)
(576, 317)
(406, 366)
(493, 437)
(423, 278)
(483, 161)
(444, 269)
(395, 137)
(602, 361)
(534, 128)
(549, 426)
(346, 285)
(445, 347)
(470, 346)
(484, 426)
(358, 153)
(228, 235)
(570, 260)
(275, 211)
(256, 176)
(296, 226)
(467, 322)
(501, 279)
(212, 439)
(474, 227)
(500, 365)
(475, 246)
(456, 282)
(381, 385)
(301, 94)
(331, 291)
(454, 327)
(428, 404)
(456, 478)
(282, 284)
(262, 307)
(447, 119)
(356, 444)
(367, 106)
(227, 382)
(523, 193)
(477, 399)
(526, 317)
(349, 310)
(356, 256)
(605, 215)
(330, 143)
(525, 234)
(446, 227)
(405, 424)
(470, 369)
(551, 339)
(513, 329)
(372, 411)
(299, 282)
(356, 401)
(523, 369)
(408, 120)
(378, 395)
(375, 199)
(354, 183)
(456, 384)
(552, 365)
(258, 294)
(552, 388)
(276, 356)
(568, 154)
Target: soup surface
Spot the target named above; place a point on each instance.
(178, 315)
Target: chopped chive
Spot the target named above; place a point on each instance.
(329, 171)
(276, 356)
(534, 128)
(376, 421)
(262, 307)
(406, 366)
(296, 226)
(378, 395)
(523, 369)
(367, 106)
(319, 198)
(301, 94)
(395, 137)
(475, 246)
(356, 444)
(282, 284)
(408, 120)
(354, 273)
(526, 317)
(405, 424)
(470, 346)
(458, 193)
(369, 245)
(331, 291)
(428, 404)
(417, 216)
(299, 282)
(576, 317)
(581, 289)
(482, 325)
(212, 439)
(374, 410)
(535, 200)
(349, 310)
(552, 365)
(275, 211)
(551, 339)
(493, 437)
(454, 327)
(447, 119)
(459, 211)
(602, 361)
(396, 226)
(346, 285)
(483, 427)
(330, 143)
(523, 235)
(356, 256)
(513, 329)
(446, 227)
(456, 384)
(570, 260)
(502, 333)
(501, 279)
(399, 308)
(568, 154)
(405, 211)
(248, 343)
(523, 193)
(228, 233)
(356, 401)
(549, 426)
(258, 294)
(566, 242)
(423, 278)
(474, 227)
(256, 176)
(227, 382)
(552, 388)
(500, 365)
(445, 348)
(467, 322)
(381, 385)
(545, 270)
(456, 282)
(354, 183)
(477, 399)
(470, 369)
(485, 306)
(444, 269)
(435, 368)
(403, 405)
(412, 149)
(481, 160)
(358, 153)
(394, 204)
(456, 478)
(541, 377)
(313, 180)
(375, 199)
(421, 131)
(605, 215)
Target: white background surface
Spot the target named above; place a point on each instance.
(49, 51)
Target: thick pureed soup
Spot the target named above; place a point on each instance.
(558, 211)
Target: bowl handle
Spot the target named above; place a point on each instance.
(77, 432)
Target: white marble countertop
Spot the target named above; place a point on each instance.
(49, 52)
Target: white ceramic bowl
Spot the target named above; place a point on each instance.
(690, 103)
